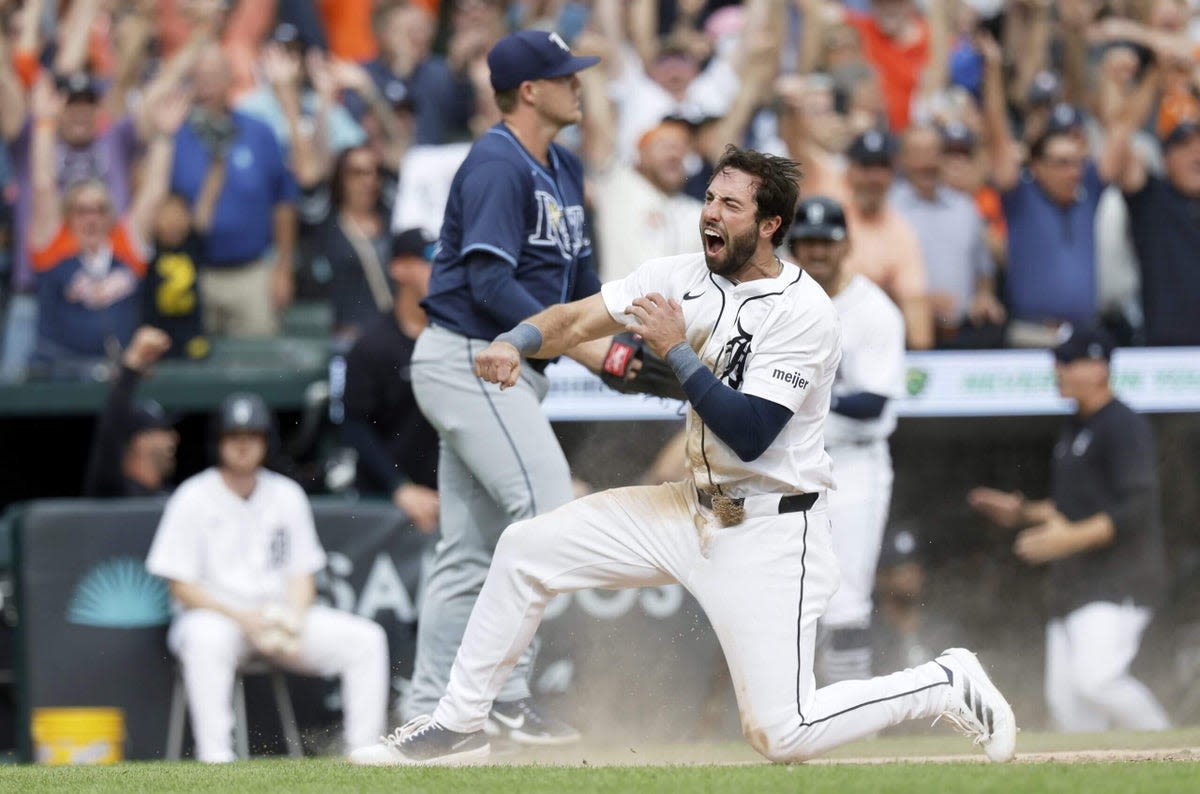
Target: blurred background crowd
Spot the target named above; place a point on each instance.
(1007, 166)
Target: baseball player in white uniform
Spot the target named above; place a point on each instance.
(861, 417)
(238, 545)
(756, 345)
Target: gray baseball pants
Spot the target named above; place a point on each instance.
(499, 462)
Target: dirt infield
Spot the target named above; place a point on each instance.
(1033, 747)
(1057, 757)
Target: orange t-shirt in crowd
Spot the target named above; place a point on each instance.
(348, 29)
(885, 249)
(898, 65)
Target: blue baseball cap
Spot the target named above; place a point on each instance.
(533, 55)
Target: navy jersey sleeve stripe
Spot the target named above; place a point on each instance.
(491, 249)
(494, 199)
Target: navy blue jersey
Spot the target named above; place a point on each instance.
(505, 203)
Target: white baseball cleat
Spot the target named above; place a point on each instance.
(975, 706)
(421, 741)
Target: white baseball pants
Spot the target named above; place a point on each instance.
(211, 646)
(763, 585)
(1088, 685)
(858, 512)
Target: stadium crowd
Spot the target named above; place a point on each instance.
(210, 168)
(1008, 166)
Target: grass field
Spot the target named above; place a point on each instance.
(1046, 763)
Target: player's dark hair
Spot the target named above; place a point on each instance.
(507, 100)
(777, 186)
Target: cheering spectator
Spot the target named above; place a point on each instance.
(405, 34)
(243, 290)
(1050, 207)
(82, 149)
(642, 212)
(965, 169)
(1164, 213)
(133, 449)
(314, 95)
(951, 233)
(170, 296)
(88, 262)
(896, 41)
(884, 246)
(396, 445)
(814, 134)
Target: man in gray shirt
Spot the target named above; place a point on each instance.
(960, 268)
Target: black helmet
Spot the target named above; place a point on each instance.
(244, 413)
(819, 218)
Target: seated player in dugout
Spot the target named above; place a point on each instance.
(238, 545)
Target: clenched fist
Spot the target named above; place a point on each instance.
(500, 363)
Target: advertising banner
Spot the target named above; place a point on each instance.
(942, 383)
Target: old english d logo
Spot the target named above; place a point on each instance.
(733, 358)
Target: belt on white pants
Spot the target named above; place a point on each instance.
(762, 505)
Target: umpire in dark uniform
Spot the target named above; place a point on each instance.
(1100, 536)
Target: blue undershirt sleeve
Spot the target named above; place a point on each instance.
(860, 405)
(496, 291)
(746, 423)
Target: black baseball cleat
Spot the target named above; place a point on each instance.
(421, 741)
(522, 722)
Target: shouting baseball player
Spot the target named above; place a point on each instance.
(755, 344)
(860, 420)
(513, 242)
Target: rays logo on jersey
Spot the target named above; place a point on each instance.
(732, 360)
(558, 227)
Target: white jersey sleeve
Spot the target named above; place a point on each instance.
(872, 360)
(670, 276)
(873, 355)
(795, 358)
(177, 551)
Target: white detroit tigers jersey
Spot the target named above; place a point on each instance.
(243, 551)
(872, 360)
(776, 338)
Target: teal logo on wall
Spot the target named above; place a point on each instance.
(120, 594)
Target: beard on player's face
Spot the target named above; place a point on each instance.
(727, 255)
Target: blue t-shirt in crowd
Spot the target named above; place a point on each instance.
(1052, 251)
(256, 180)
(505, 203)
